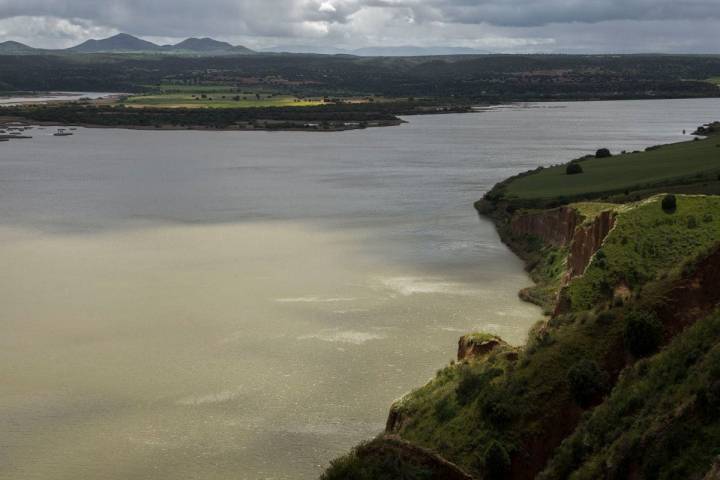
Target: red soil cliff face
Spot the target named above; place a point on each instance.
(586, 242)
(562, 227)
(555, 227)
(694, 296)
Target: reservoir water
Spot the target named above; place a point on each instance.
(246, 305)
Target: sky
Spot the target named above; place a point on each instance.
(507, 26)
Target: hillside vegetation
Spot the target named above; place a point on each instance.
(469, 78)
(621, 380)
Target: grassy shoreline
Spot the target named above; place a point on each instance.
(324, 118)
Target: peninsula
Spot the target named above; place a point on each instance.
(622, 377)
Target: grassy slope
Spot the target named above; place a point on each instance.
(661, 420)
(628, 171)
(647, 243)
(532, 392)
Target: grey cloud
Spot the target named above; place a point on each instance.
(363, 22)
(251, 15)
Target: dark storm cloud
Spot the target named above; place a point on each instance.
(278, 16)
(494, 23)
(542, 12)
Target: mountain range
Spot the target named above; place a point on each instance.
(124, 43)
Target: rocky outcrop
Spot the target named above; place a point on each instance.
(391, 448)
(397, 419)
(694, 296)
(474, 346)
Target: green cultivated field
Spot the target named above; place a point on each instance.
(216, 97)
(628, 171)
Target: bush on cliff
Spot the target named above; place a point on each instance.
(586, 381)
(669, 203)
(573, 169)
(643, 333)
(472, 382)
(496, 407)
(603, 153)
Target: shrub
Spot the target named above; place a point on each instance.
(643, 333)
(573, 169)
(601, 259)
(471, 383)
(603, 153)
(707, 218)
(586, 382)
(444, 410)
(495, 408)
(692, 222)
(669, 203)
(497, 461)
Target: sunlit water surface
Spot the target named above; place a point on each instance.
(210, 305)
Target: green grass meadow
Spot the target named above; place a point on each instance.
(626, 171)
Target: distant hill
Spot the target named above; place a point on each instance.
(411, 51)
(206, 45)
(121, 42)
(124, 43)
(17, 48)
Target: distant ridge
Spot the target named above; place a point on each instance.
(383, 51)
(121, 42)
(125, 43)
(207, 45)
(16, 48)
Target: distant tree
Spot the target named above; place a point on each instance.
(643, 333)
(603, 153)
(586, 381)
(573, 168)
(669, 203)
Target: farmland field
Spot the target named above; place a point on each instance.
(217, 97)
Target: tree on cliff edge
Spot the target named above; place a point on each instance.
(573, 169)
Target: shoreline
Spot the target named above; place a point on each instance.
(584, 258)
(216, 119)
(172, 128)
